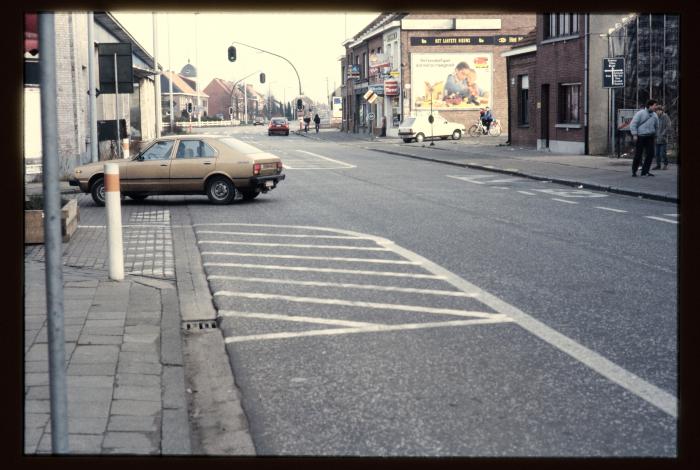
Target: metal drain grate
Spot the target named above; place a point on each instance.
(199, 325)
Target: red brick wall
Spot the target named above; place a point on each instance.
(511, 24)
(525, 136)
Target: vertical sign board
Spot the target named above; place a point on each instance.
(125, 70)
(613, 72)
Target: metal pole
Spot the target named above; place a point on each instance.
(52, 235)
(196, 78)
(116, 103)
(156, 77)
(245, 102)
(92, 98)
(170, 83)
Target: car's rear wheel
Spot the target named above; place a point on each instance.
(474, 131)
(420, 137)
(408, 141)
(220, 190)
(457, 134)
(98, 191)
(249, 194)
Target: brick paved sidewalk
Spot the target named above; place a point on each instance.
(125, 375)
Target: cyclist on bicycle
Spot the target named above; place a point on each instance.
(486, 119)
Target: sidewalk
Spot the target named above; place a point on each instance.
(124, 357)
(493, 154)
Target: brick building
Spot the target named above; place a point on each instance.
(415, 53)
(184, 91)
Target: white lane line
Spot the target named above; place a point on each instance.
(500, 187)
(627, 380)
(410, 290)
(322, 270)
(368, 329)
(469, 179)
(661, 219)
(344, 165)
(564, 200)
(527, 193)
(671, 215)
(322, 258)
(273, 316)
(285, 235)
(611, 209)
(292, 245)
(355, 303)
(505, 180)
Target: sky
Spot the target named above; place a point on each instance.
(311, 41)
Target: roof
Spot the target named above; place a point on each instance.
(179, 84)
(109, 22)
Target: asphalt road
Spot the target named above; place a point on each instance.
(375, 305)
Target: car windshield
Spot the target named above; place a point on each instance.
(279, 121)
(239, 146)
(408, 122)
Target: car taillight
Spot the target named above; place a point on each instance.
(279, 167)
(256, 169)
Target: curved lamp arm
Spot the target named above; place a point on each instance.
(277, 55)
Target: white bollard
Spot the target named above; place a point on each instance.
(114, 222)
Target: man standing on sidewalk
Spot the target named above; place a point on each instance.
(643, 128)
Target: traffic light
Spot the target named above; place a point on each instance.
(299, 104)
(232, 54)
(189, 108)
(262, 78)
(230, 109)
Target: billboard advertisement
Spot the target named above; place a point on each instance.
(452, 81)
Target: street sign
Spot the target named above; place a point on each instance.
(613, 72)
(125, 69)
(370, 116)
(370, 96)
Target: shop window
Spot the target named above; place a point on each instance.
(569, 103)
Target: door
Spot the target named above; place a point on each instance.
(544, 115)
(150, 171)
(194, 160)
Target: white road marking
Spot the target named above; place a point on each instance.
(321, 258)
(321, 270)
(344, 165)
(652, 394)
(410, 290)
(273, 316)
(527, 193)
(611, 209)
(671, 215)
(355, 303)
(505, 180)
(500, 187)
(285, 235)
(627, 380)
(470, 179)
(564, 200)
(570, 192)
(292, 245)
(661, 219)
(368, 329)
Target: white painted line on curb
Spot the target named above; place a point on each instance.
(344, 165)
(321, 270)
(355, 303)
(661, 219)
(291, 245)
(273, 316)
(410, 290)
(285, 235)
(611, 209)
(368, 329)
(564, 200)
(321, 258)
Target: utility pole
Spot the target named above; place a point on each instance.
(156, 77)
(170, 83)
(53, 249)
(196, 78)
(92, 98)
(245, 102)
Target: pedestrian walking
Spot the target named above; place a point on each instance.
(317, 122)
(662, 134)
(383, 134)
(307, 120)
(643, 127)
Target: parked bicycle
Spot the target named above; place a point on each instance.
(478, 129)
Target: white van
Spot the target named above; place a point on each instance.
(419, 128)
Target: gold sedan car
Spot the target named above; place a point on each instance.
(218, 166)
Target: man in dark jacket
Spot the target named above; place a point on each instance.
(317, 122)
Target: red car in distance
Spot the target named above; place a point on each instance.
(278, 125)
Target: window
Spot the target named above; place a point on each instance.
(560, 24)
(194, 149)
(569, 103)
(523, 97)
(159, 151)
(365, 65)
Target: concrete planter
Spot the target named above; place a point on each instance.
(34, 223)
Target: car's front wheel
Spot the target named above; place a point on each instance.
(457, 134)
(98, 191)
(220, 190)
(420, 137)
